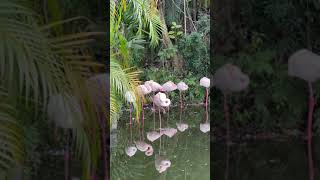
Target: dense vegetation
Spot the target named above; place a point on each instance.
(47, 49)
(259, 36)
(168, 41)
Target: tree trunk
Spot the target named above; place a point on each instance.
(177, 61)
(195, 10)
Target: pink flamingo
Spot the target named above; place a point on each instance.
(98, 85)
(155, 87)
(65, 111)
(169, 87)
(130, 97)
(131, 151)
(143, 90)
(162, 164)
(182, 126)
(161, 100)
(182, 87)
(144, 147)
(305, 64)
(205, 127)
(205, 82)
(229, 78)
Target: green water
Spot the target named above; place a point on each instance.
(188, 151)
(264, 160)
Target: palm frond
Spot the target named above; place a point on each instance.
(12, 151)
(147, 15)
(121, 81)
(36, 65)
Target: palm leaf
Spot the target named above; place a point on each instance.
(12, 150)
(121, 81)
(36, 65)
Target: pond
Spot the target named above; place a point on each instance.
(264, 160)
(188, 151)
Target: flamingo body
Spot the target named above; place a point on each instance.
(162, 164)
(304, 64)
(229, 78)
(131, 151)
(153, 135)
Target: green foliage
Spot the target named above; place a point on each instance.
(266, 38)
(167, 53)
(203, 24)
(175, 32)
(36, 64)
(272, 100)
(129, 22)
(195, 52)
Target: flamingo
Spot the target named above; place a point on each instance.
(305, 65)
(154, 86)
(65, 112)
(229, 78)
(144, 147)
(182, 87)
(130, 97)
(205, 127)
(98, 86)
(131, 151)
(205, 82)
(168, 87)
(182, 126)
(161, 100)
(143, 90)
(153, 135)
(170, 132)
(162, 164)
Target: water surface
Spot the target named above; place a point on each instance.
(264, 160)
(188, 151)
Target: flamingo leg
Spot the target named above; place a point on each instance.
(104, 145)
(310, 112)
(131, 133)
(160, 130)
(66, 157)
(154, 117)
(168, 115)
(168, 112)
(310, 115)
(207, 98)
(130, 113)
(180, 114)
(310, 161)
(180, 99)
(160, 118)
(142, 121)
(226, 173)
(226, 113)
(142, 115)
